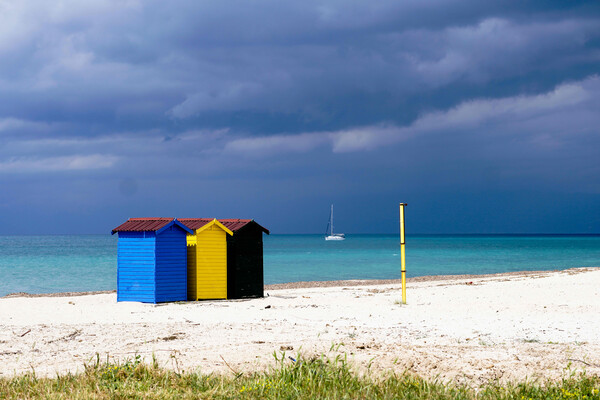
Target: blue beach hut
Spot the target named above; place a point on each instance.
(152, 260)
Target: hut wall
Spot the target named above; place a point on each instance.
(192, 277)
(245, 263)
(171, 265)
(211, 264)
(136, 266)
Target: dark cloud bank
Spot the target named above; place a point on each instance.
(483, 117)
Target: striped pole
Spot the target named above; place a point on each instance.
(403, 252)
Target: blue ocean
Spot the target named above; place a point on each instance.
(44, 264)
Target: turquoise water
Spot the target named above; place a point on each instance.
(43, 264)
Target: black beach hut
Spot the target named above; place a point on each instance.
(245, 277)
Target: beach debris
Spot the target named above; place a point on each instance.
(284, 348)
(25, 333)
(584, 362)
(469, 283)
(10, 353)
(70, 336)
(292, 358)
(173, 336)
(237, 374)
(268, 307)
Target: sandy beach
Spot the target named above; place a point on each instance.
(464, 328)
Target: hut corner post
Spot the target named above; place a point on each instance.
(403, 252)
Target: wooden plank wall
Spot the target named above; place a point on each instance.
(171, 265)
(192, 267)
(245, 264)
(135, 267)
(211, 264)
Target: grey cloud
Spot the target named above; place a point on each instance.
(542, 117)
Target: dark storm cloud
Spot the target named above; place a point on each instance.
(477, 96)
(319, 63)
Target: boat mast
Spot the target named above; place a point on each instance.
(332, 220)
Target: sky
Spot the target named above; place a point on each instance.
(483, 116)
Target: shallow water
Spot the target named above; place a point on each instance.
(308, 257)
(41, 264)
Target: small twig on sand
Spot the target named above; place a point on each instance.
(229, 366)
(68, 337)
(583, 362)
(10, 353)
(146, 351)
(25, 333)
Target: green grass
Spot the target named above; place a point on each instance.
(317, 378)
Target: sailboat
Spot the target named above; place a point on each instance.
(329, 235)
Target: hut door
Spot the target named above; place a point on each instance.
(211, 264)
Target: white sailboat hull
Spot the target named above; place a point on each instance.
(335, 237)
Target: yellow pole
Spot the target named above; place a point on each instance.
(403, 252)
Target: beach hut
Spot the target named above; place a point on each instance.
(207, 259)
(152, 260)
(245, 258)
(243, 274)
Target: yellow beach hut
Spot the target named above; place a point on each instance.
(207, 259)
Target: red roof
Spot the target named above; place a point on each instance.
(195, 223)
(142, 224)
(232, 224)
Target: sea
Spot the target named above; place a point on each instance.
(67, 263)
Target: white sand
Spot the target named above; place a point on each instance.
(504, 327)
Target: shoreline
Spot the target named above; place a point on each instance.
(343, 283)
